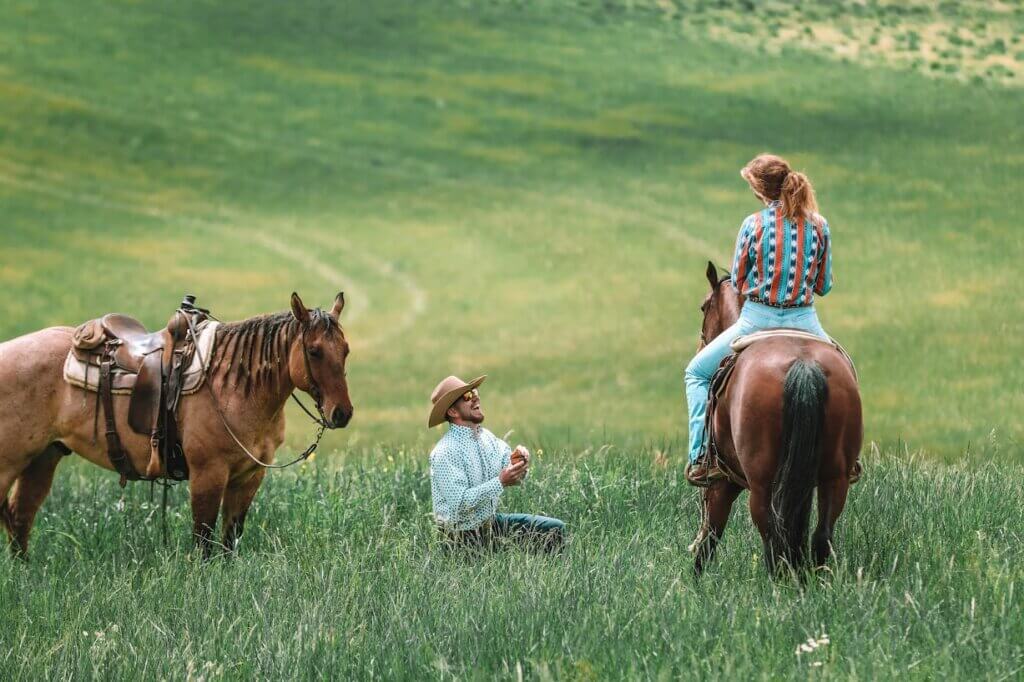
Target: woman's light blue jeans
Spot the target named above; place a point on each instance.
(754, 317)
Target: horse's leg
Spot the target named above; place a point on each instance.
(761, 513)
(237, 498)
(831, 500)
(6, 480)
(207, 490)
(718, 500)
(30, 490)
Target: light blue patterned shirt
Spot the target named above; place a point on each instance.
(464, 468)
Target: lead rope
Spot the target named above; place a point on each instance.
(216, 406)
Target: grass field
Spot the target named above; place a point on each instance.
(530, 190)
(339, 576)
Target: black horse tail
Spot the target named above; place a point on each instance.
(803, 420)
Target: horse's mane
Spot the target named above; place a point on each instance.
(254, 352)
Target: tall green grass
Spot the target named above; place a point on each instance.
(340, 575)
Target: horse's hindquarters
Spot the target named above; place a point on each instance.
(33, 396)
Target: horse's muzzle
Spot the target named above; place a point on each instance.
(340, 417)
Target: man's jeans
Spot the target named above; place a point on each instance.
(537, 532)
(754, 317)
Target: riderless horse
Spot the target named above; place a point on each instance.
(226, 423)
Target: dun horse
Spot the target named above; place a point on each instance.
(789, 420)
(255, 365)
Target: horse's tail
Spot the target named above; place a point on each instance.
(803, 419)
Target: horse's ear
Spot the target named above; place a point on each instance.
(299, 310)
(712, 275)
(339, 305)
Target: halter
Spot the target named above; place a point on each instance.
(314, 387)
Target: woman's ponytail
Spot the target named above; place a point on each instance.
(772, 179)
(797, 196)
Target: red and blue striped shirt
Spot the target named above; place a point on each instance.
(782, 262)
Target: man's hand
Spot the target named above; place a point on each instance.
(513, 474)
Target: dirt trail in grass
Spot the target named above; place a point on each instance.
(304, 258)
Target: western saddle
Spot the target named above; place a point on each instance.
(149, 367)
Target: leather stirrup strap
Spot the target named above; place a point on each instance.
(115, 451)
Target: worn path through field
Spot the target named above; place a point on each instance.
(360, 299)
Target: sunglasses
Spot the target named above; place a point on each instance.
(469, 395)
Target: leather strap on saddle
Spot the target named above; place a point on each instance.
(115, 450)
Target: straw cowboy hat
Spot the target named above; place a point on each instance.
(445, 395)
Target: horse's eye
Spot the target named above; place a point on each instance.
(315, 352)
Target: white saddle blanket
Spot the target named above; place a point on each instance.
(742, 342)
(87, 375)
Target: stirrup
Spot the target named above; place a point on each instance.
(711, 473)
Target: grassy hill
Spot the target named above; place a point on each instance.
(530, 190)
(508, 189)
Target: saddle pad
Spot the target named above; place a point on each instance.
(742, 342)
(86, 374)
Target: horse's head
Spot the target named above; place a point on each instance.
(317, 360)
(721, 306)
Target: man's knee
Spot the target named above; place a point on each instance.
(553, 537)
(556, 526)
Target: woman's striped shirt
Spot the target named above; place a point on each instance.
(782, 262)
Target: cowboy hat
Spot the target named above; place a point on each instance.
(445, 395)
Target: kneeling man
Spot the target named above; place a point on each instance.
(470, 468)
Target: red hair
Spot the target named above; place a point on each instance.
(771, 177)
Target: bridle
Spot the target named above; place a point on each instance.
(314, 392)
(314, 388)
(704, 310)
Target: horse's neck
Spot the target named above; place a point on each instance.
(271, 399)
(731, 308)
(264, 388)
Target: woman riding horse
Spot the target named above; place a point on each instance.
(783, 257)
(787, 416)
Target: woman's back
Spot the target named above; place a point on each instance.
(782, 261)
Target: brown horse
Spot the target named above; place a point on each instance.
(788, 421)
(255, 366)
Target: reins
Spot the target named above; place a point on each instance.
(314, 391)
